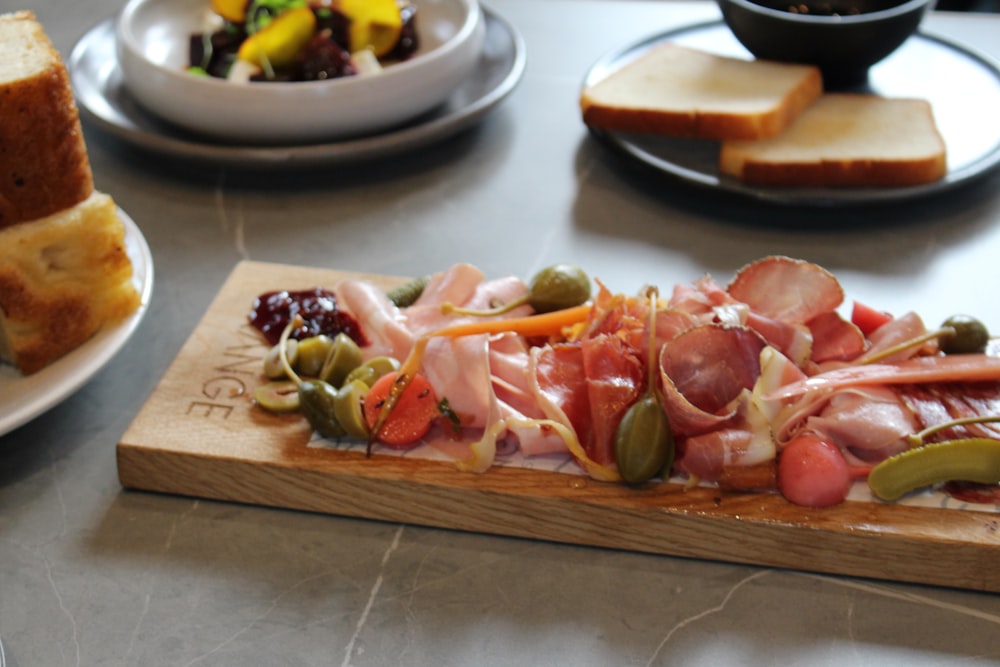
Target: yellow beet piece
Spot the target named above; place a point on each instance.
(231, 10)
(281, 40)
(375, 24)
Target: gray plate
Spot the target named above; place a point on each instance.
(963, 88)
(105, 102)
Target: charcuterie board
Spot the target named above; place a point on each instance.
(200, 435)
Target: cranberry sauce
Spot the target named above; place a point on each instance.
(271, 313)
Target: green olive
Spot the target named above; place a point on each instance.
(273, 368)
(280, 396)
(558, 287)
(348, 407)
(372, 370)
(644, 444)
(344, 357)
(971, 336)
(312, 354)
(316, 398)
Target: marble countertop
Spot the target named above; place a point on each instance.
(91, 574)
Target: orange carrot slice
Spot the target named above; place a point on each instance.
(412, 415)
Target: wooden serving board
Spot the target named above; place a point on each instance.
(200, 435)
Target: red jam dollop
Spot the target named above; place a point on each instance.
(272, 311)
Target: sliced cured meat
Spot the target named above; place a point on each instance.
(459, 370)
(795, 341)
(834, 338)
(455, 285)
(931, 369)
(510, 370)
(562, 387)
(381, 321)
(700, 298)
(899, 330)
(744, 442)
(936, 404)
(791, 290)
(615, 378)
(703, 370)
(870, 423)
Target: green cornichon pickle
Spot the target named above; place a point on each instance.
(966, 460)
(407, 293)
(644, 444)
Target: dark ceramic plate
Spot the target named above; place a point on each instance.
(962, 86)
(105, 101)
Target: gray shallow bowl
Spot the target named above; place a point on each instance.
(843, 37)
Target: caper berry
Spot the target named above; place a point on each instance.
(558, 287)
(644, 444)
(971, 336)
(344, 357)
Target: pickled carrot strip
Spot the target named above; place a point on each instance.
(545, 324)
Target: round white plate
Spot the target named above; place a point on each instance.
(23, 398)
(105, 102)
(962, 86)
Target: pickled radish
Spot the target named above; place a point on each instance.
(813, 473)
(867, 318)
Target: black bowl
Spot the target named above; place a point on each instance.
(844, 38)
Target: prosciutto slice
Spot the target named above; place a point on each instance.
(743, 443)
(589, 386)
(615, 378)
(703, 370)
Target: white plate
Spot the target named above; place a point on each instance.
(23, 398)
(153, 44)
(962, 86)
(106, 103)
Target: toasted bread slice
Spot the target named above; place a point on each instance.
(43, 162)
(675, 90)
(62, 278)
(845, 140)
